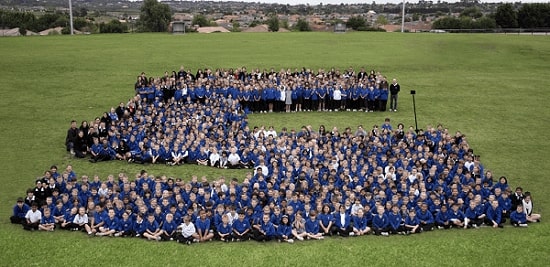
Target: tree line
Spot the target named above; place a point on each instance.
(535, 15)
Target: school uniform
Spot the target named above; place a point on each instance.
(19, 213)
(342, 224)
(170, 228)
(426, 220)
(32, 219)
(239, 227)
(187, 231)
(284, 232)
(380, 223)
(396, 223)
(224, 229)
(267, 232)
(518, 218)
(360, 223)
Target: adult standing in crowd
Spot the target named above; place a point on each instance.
(394, 91)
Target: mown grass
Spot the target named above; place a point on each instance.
(492, 88)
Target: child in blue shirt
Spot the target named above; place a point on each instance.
(19, 211)
(266, 231)
(168, 229)
(152, 229)
(312, 227)
(202, 226)
(110, 226)
(412, 223)
(518, 218)
(342, 222)
(396, 221)
(241, 227)
(47, 222)
(442, 218)
(326, 221)
(224, 229)
(360, 223)
(284, 231)
(380, 222)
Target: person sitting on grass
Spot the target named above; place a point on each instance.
(20, 209)
(518, 218)
(312, 227)
(326, 220)
(47, 223)
(32, 218)
(528, 208)
(188, 231)
(397, 225)
(412, 223)
(456, 217)
(380, 222)
(342, 222)
(125, 225)
(360, 223)
(299, 226)
(168, 229)
(241, 227)
(494, 215)
(284, 231)
(203, 228)
(473, 216)
(152, 229)
(425, 218)
(110, 225)
(224, 229)
(266, 231)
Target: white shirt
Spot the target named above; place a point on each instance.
(337, 94)
(527, 207)
(78, 219)
(234, 158)
(33, 216)
(187, 229)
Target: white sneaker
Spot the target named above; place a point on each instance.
(321, 238)
(351, 233)
(117, 234)
(522, 225)
(300, 238)
(385, 234)
(290, 241)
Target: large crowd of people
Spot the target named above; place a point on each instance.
(301, 184)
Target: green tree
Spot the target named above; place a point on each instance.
(356, 23)
(472, 12)
(236, 26)
(302, 25)
(506, 16)
(114, 26)
(154, 16)
(273, 23)
(381, 20)
(534, 15)
(200, 20)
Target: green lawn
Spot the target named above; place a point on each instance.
(490, 87)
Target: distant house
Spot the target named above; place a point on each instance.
(178, 27)
(211, 29)
(340, 28)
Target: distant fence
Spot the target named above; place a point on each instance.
(516, 31)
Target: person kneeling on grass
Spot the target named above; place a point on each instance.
(518, 218)
(47, 223)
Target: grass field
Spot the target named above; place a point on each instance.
(490, 87)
